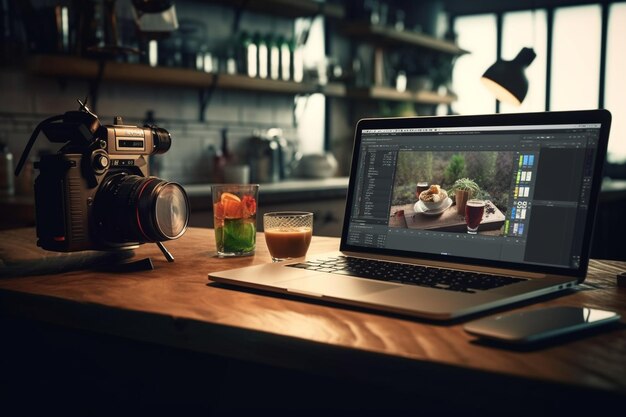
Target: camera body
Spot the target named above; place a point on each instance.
(95, 193)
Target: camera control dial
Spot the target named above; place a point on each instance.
(100, 161)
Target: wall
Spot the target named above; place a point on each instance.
(28, 99)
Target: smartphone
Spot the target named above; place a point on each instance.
(540, 324)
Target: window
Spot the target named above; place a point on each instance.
(476, 34)
(310, 110)
(576, 58)
(615, 87)
(527, 29)
(575, 63)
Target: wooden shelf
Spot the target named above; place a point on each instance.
(380, 35)
(287, 8)
(243, 82)
(333, 90)
(388, 93)
(64, 66)
(75, 67)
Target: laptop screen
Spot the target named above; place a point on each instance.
(502, 194)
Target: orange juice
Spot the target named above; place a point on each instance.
(288, 242)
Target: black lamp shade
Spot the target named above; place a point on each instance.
(507, 80)
(152, 6)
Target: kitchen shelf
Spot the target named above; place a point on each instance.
(65, 66)
(75, 67)
(243, 82)
(385, 36)
(287, 8)
(391, 94)
(334, 89)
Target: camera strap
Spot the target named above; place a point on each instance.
(31, 141)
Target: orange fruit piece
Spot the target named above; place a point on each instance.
(229, 196)
(218, 209)
(233, 209)
(249, 205)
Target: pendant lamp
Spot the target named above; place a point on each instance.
(507, 80)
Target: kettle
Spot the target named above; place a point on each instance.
(288, 153)
(264, 158)
(271, 156)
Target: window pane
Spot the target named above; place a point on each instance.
(310, 110)
(527, 29)
(476, 34)
(615, 89)
(576, 58)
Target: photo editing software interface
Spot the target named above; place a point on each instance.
(530, 190)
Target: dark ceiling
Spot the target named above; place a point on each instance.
(464, 7)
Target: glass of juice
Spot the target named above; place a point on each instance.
(288, 233)
(234, 215)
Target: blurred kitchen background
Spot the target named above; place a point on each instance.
(269, 91)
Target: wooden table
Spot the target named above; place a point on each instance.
(320, 355)
(448, 220)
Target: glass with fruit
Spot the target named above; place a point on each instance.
(234, 215)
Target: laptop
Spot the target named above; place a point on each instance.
(412, 244)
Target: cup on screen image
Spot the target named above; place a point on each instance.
(288, 234)
(234, 215)
(474, 211)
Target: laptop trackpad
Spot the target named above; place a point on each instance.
(335, 286)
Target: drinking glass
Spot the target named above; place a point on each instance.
(419, 187)
(474, 211)
(234, 214)
(288, 233)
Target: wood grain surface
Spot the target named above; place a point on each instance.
(175, 305)
(448, 220)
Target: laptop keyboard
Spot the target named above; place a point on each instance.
(441, 278)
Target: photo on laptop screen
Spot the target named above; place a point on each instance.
(439, 200)
(528, 191)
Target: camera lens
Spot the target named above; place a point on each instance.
(130, 208)
(170, 209)
(162, 140)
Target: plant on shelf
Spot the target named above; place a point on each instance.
(463, 189)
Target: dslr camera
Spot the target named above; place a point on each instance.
(95, 192)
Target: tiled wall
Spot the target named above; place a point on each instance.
(27, 99)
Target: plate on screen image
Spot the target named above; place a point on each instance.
(421, 208)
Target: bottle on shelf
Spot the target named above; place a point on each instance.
(229, 61)
(297, 62)
(285, 58)
(263, 55)
(247, 55)
(273, 46)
